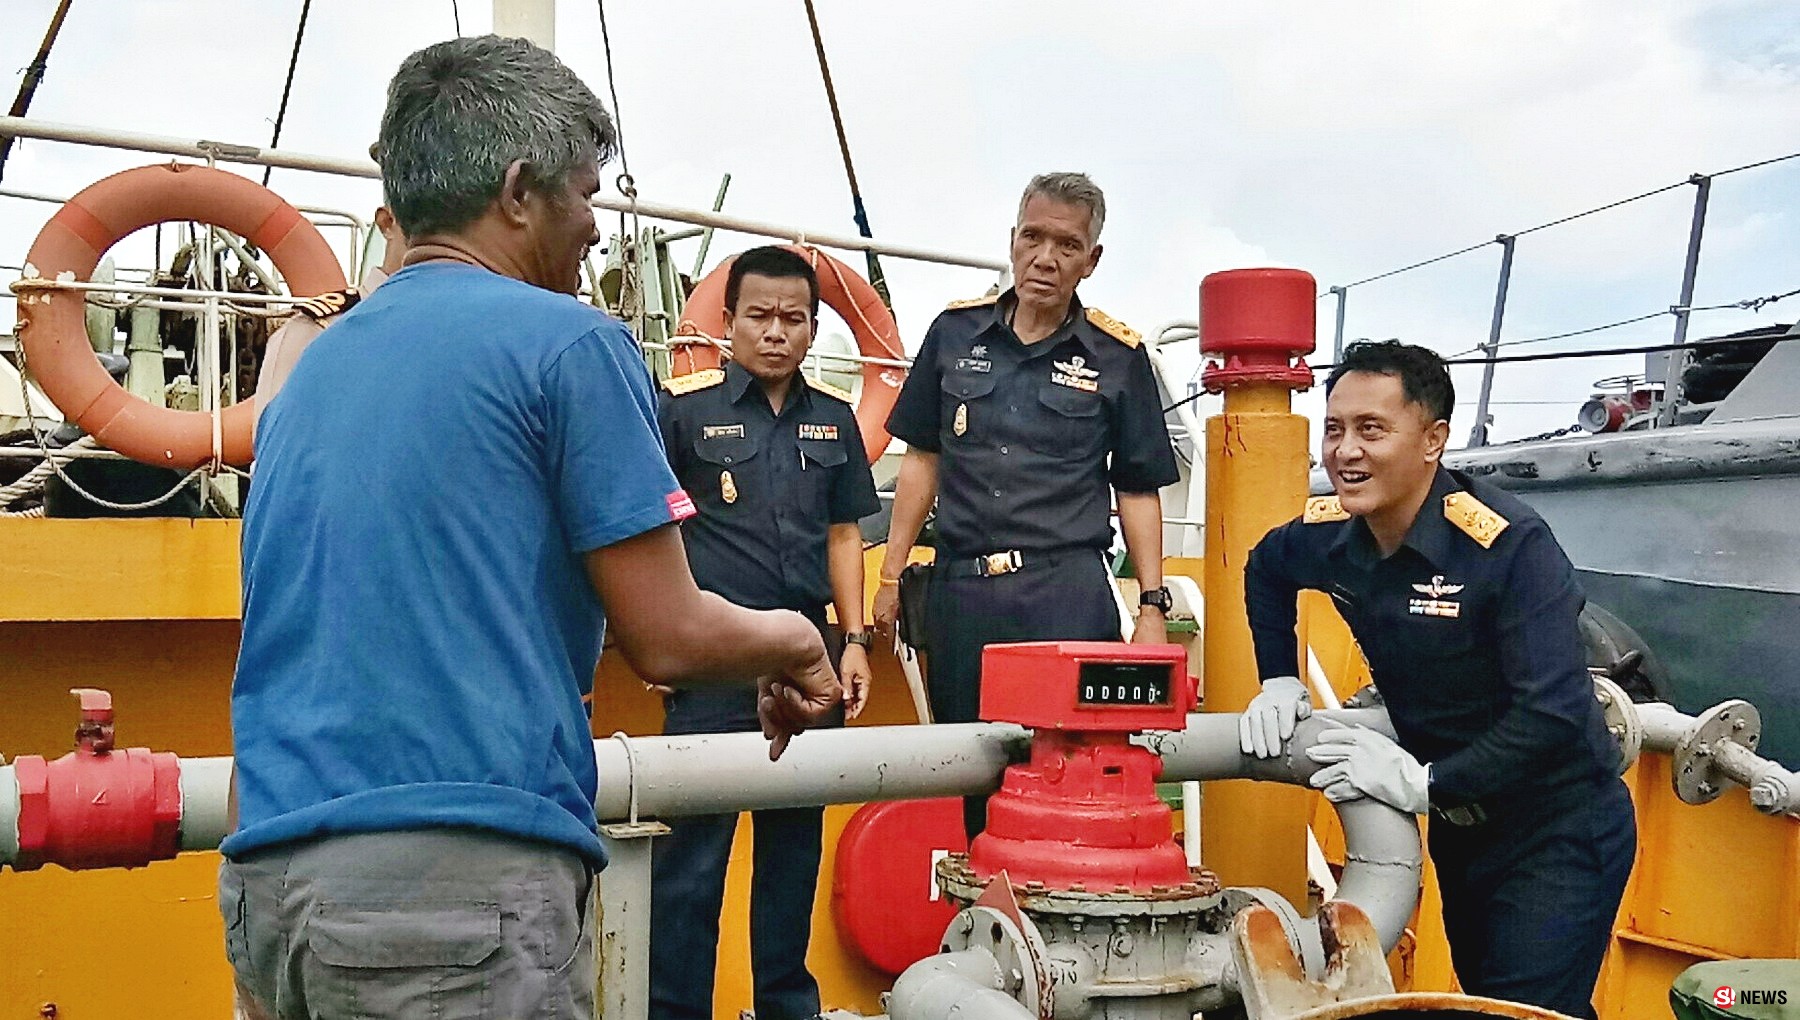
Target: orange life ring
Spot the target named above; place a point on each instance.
(53, 327)
(848, 294)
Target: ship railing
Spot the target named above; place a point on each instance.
(212, 304)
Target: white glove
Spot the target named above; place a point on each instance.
(1268, 721)
(1360, 762)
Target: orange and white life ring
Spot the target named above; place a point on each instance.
(53, 327)
(695, 344)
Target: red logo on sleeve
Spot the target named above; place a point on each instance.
(681, 505)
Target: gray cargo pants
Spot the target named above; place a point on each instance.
(446, 924)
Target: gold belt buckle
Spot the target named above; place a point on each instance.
(995, 564)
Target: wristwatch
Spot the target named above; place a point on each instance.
(861, 637)
(1159, 599)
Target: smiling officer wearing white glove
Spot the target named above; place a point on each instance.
(1466, 609)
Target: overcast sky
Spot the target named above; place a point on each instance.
(1342, 138)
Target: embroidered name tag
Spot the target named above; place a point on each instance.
(974, 365)
(1434, 607)
(723, 431)
(810, 431)
(1075, 382)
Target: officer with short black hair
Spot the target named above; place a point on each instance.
(1023, 414)
(1466, 610)
(774, 462)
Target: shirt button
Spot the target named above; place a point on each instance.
(1003, 450)
(1014, 409)
(996, 493)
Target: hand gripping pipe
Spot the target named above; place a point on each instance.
(1384, 859)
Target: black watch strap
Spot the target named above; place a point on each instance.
(1157, 598)
(861, 637)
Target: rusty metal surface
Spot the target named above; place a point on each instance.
(961, 881)
(1273, 981)
(1434, 1005)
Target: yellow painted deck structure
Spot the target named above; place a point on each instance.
(149, 610)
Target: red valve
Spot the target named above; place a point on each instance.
(96, 807)
(95, 733)
(1254, 321)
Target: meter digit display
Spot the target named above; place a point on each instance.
(1123, 683)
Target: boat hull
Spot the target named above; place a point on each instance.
(1691, 536)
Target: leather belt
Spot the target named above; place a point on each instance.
(994, 564)
(1008, 561)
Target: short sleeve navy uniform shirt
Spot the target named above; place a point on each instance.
(767, 485)
(1032, 436)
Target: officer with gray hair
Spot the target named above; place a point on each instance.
(1023, 415)
(460, 486)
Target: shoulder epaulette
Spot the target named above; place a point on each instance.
(974, 302)
(1474, 518)
(1114, 328)
(694, 382)
(1324, 510)
(830, 390)
(324, 306)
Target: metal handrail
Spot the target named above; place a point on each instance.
(230, 152)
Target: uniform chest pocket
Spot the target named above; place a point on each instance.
(823, 453)
(1066, 422)
(724, 450)
(968, 407)
(724, 478)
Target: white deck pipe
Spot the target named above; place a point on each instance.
(964, 985)
(9, 815)
(1385, 859)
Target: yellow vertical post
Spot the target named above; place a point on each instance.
(1254, 320)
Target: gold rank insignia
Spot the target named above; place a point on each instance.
(694, 381)
(728, 487)
(1324, 510)
(961, 424)
(974, 302)
(324, 306)
(1474, 518)
(830, 390)
(1114, 328)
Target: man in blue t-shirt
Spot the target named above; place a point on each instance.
(460, 485)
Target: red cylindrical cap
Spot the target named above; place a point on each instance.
(1243, 310)
(1259, 324)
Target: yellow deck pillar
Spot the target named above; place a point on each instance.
(1256, 464)
(1255, 321)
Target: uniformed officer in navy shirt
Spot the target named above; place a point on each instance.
(774, 462)
(1465, 608)
(1023, 415)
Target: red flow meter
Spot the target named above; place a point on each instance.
(1083, 813)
